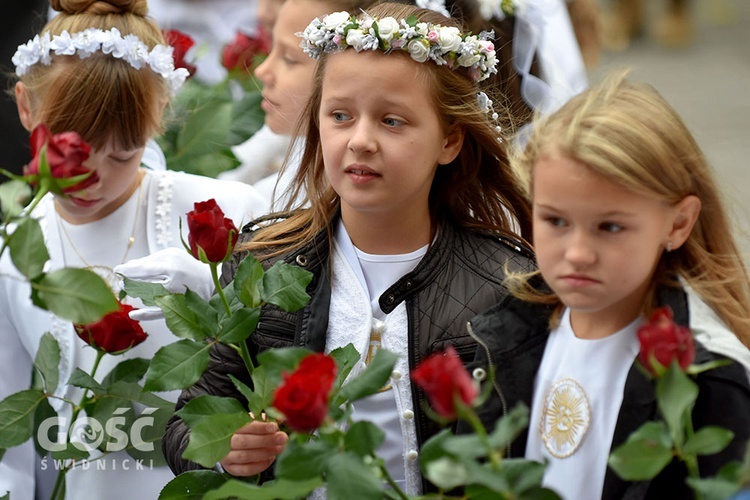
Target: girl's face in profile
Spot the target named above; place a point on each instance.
(598, 243)
(287, 72)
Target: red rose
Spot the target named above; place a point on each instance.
(180, 43)
(443, 378)
(665, 341)
(211, 231)
(303, 395)
(241, 52)
(66, 152)
(114, 333)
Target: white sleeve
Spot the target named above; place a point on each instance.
(17, 467)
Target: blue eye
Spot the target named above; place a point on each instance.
(393, 122)
(338, 116)
(610, 227)
(555, 221)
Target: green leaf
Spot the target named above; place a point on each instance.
(348, 477)
(70, 452)
(47, 364)
(17, 417)
(523, 475)
(192, 485)
(300, 461)
(180, 318)
(465, 446)
(205, 130)
(713, 488)
(272, 490)
(252, 398)
(283, 359)
(509, 427)
(239, 326)
(645, 453)
(210, 438)
(205, 315)
(27, 249)
(434, 448)
(247, 118)
(446, 473)
(363, 438)
(675, 396)
(42, 414)
(707, 441)
(129, 370)
(146, 435)
(80, 378)
(369, 381)
(14, 195)
(205, 405)
(144, 290)
(247, 281)
(284, 285)
(177, 366)
(78, 295)
(264, 385)
(346, 358)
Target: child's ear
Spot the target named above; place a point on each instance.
(685, 215)
(451, 145)
(23, 102)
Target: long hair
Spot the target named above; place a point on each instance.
(476, 191)
(100, 97)
(628, 133)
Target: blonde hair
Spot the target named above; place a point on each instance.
(628, 133)
(475, 191)
(100, 97)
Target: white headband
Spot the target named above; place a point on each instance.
(84, 43)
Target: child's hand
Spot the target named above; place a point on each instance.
(254, 448)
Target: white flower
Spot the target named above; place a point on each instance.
(449, 38)
(423, 28)
(333, 21)
(419, 50)
(387, 27)
(161, 60)
(62, 44)
(356, 39)
(468, 59)
(87, 42)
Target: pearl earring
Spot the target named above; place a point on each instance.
(669, 246)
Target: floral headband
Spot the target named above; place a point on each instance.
(84, 43)
(444, 45)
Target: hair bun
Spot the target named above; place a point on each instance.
(137, 7)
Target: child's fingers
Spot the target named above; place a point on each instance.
(247, 469)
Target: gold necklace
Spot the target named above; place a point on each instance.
(106, 272)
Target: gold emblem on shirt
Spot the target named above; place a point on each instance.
(565, 418)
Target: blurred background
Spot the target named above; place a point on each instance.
(704, 75)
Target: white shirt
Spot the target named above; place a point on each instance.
(578, 392)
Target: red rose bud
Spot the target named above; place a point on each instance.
(665, 341)
(240, 53)
(180, 43)
(66, 152)
(443, 378)
(303, 395)
(114, 333)
(211, 231)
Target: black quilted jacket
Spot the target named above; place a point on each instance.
(460, 276)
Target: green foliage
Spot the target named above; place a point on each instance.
(203, 122)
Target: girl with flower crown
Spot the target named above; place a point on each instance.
(626, 219)
(412, 220)
(101, 69)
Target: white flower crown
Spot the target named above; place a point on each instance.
(84, 43)
(444, 45)
(497, 9)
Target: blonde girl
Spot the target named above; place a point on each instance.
(626, 218)
(411, 222)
